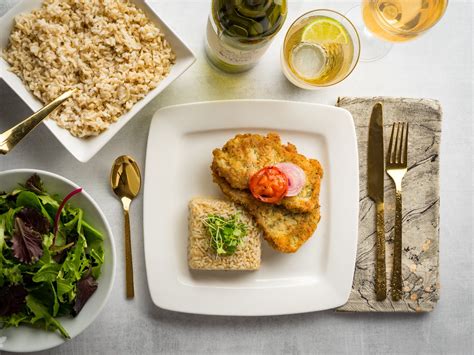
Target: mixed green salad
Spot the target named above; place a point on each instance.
(50, 257)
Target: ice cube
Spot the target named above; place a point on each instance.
(308, 60)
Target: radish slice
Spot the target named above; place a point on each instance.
(296, 177)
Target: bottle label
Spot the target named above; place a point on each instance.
(238, 54)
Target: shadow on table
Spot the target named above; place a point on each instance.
(9, 99)
(236, 323)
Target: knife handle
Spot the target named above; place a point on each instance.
(380, 272)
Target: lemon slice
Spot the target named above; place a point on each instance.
(325, 30)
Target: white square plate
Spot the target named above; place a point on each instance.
(179, 154)
(85, 149)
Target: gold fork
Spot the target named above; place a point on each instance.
(396, 166)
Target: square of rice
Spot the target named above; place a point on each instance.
(200, 254)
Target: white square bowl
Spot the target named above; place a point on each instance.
(179, 154)
(85, 149)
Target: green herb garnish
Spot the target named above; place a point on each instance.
(226, 233)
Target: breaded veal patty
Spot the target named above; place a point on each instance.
(288, 225)
(245, 154)
(286, 231)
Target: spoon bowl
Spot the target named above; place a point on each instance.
(125, 178)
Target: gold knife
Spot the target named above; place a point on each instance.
(375, 178)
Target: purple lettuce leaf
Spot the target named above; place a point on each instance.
(12, 299)
(34, 184)
(34, 219)
(26, 246)
(85, 289)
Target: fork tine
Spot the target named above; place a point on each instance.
(405, 153)
(390, 145)
(397, 145)
(402, 143)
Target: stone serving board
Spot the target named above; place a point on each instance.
(420, 250)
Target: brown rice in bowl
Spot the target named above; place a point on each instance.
(108, 49)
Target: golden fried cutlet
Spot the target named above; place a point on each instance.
(286, 231)
(245, 154)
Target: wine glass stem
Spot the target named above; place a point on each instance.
(372, 47)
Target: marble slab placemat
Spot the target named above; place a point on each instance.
(420, 246)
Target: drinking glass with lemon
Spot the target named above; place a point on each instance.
(321, 48)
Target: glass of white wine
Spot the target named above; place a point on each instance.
(321, 48)
(383, 22)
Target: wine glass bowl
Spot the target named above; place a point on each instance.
(401, 20)
(383, 22)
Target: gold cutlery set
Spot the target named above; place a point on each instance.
(395, 165)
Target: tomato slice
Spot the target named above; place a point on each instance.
(269, 184)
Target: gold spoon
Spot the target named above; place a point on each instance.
(125, 180)
(10, 138)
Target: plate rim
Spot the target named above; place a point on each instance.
(195, 310)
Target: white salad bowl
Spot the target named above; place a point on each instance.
(85, 149)
(25, 338)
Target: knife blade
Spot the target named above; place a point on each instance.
(375, 187)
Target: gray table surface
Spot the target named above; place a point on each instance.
(437, 65)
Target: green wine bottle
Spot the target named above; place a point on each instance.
(240, 31)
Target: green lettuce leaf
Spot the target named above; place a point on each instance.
(9, 219)
(65, 287)
(29, 199)
(4, 207)
(72, 269)
(41, 313)
(47, 273)
(91, 233)
(11, 274)
(98, 257)
(50, 204)
(14, 320)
